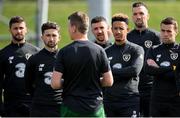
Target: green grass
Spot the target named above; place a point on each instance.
(59, 11)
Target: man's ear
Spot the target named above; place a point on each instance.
(148, 16)
(42, 37)
(176, 32)
(128, 29)
(74, 29)
(26, 29)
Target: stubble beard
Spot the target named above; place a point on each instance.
(18, 38)
(140, 25)
(51, 45)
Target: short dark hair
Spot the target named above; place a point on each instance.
(98, 19)
(120, 17)
(15, 19)
(80, 20)
(170, 21)
(138, 4)
(49, 25)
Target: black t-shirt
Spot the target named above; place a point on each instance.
(166, 56)
(82, 63)
(38, 79)
(146, 39)
(13, 60)
(126, 62)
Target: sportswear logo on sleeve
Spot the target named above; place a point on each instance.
(117, 66)
(10, 59)
(126, 57)
(148, 43)
(41, 67)
(165, 63)
(174, 56)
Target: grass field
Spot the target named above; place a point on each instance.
(59, 11)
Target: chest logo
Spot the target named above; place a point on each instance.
(41, 66)
(47, 78)
(174, 56)
(126, 57)
(109, 59)
(158, 57)
(28, 55)
(148, 43)
(10, 59)
(20, 69)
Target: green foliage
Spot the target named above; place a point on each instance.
(59, 10)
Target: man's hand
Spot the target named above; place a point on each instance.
(151, 62)
(178, 94)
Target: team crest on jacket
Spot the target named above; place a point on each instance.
(148, 43)
(47, 78)
(28, 55)
(126, 57)
(174, 56)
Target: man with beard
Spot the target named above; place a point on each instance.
(126, 61)
(101, 31)
(12, 65)
(161, 61)
(146, 38)
(38, 72)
